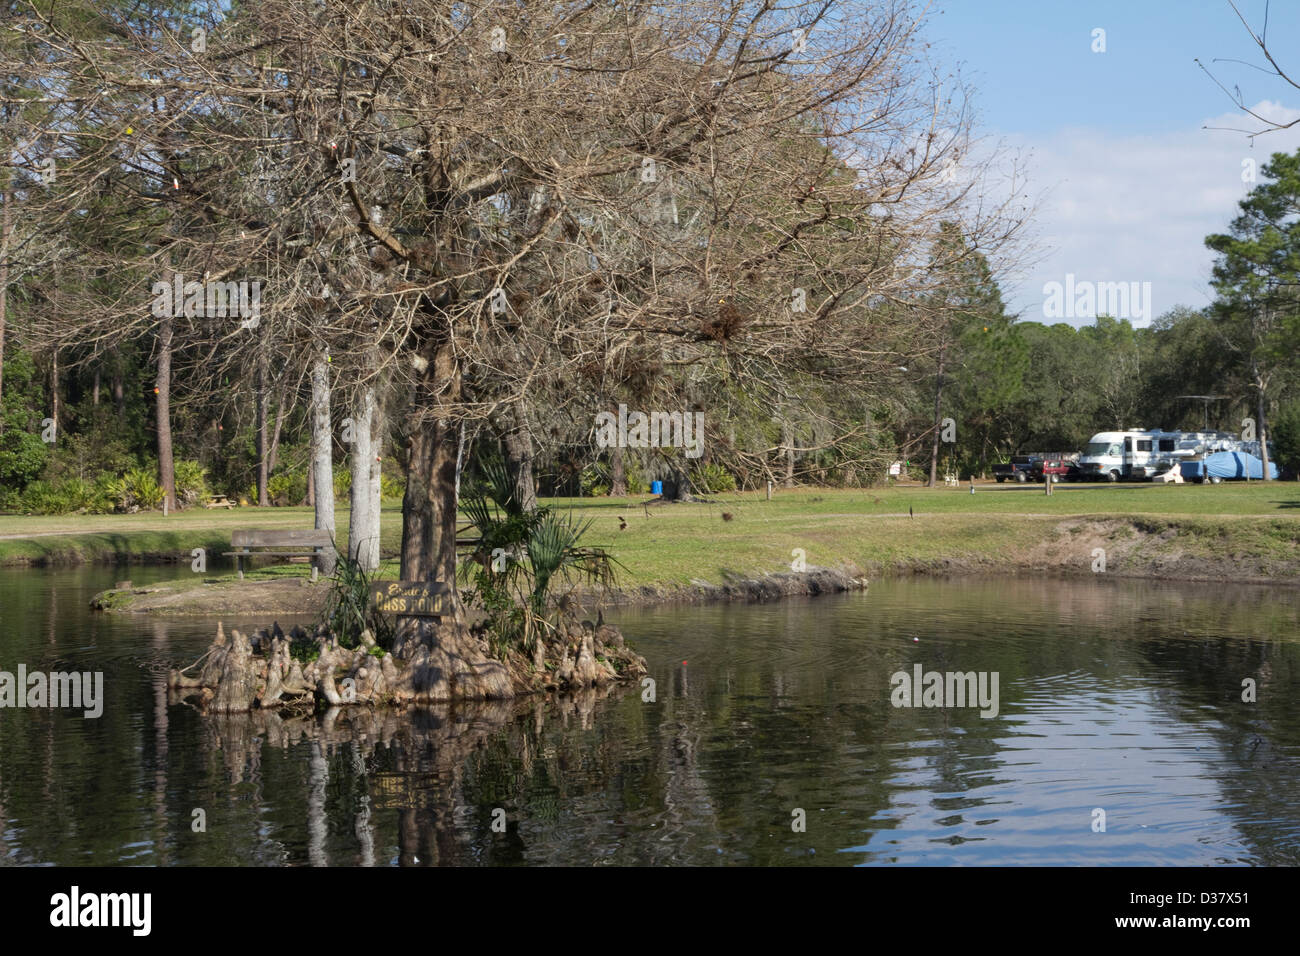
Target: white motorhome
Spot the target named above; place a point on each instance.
(1138, 454)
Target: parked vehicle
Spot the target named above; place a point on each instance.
(1111, 456)
(1226, 466)
(1050, 469)
(1017, 469)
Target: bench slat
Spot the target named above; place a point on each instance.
(269, 554)
(308, 538)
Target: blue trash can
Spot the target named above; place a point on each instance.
(656, 487)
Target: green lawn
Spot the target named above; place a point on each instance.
(676, 544)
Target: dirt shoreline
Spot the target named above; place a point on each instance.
(1128, 547)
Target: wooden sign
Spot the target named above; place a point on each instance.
(409, 598)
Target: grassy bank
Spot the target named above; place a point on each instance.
(1224, 532)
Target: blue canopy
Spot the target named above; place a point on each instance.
(1229, 466)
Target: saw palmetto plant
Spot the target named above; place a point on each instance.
(524, 559)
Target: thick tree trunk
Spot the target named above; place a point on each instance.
(322, 464)
(166, 466)
(938, 405)
(444, 660)
(617, 473)
(363, 523)
(4, 288)
(263, 449)
(517, 447)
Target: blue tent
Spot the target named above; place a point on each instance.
(1227, 466)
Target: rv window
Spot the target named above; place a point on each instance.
(1167, 444)
(1144, 444)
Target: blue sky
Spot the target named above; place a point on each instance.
(1127, 179)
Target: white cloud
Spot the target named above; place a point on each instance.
(1138, 208)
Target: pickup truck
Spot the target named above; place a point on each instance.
(1017, 469)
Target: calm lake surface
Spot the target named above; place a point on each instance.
(1122, 696)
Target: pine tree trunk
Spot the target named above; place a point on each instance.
(1263, 434)
(263, 449)
(322, 465)
(4, 288)
(617, 473)
(938, 405)
(273, 456)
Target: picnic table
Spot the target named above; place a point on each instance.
(218, 501)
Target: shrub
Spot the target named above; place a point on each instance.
(392, 484)
(349, 608)
(594, 480)
(342, 482)
(710, 479)
(597, 479)
(71, 495)
(136, 490)
(522, 556)
(96, 451)
(287, 488)
(637, 483)
(191, 483)
(22, 455)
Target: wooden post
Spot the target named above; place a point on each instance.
(769, 490)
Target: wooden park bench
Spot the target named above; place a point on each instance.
(467, 538)
(218, 501)
(288, 544)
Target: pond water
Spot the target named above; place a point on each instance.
(773, 739)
